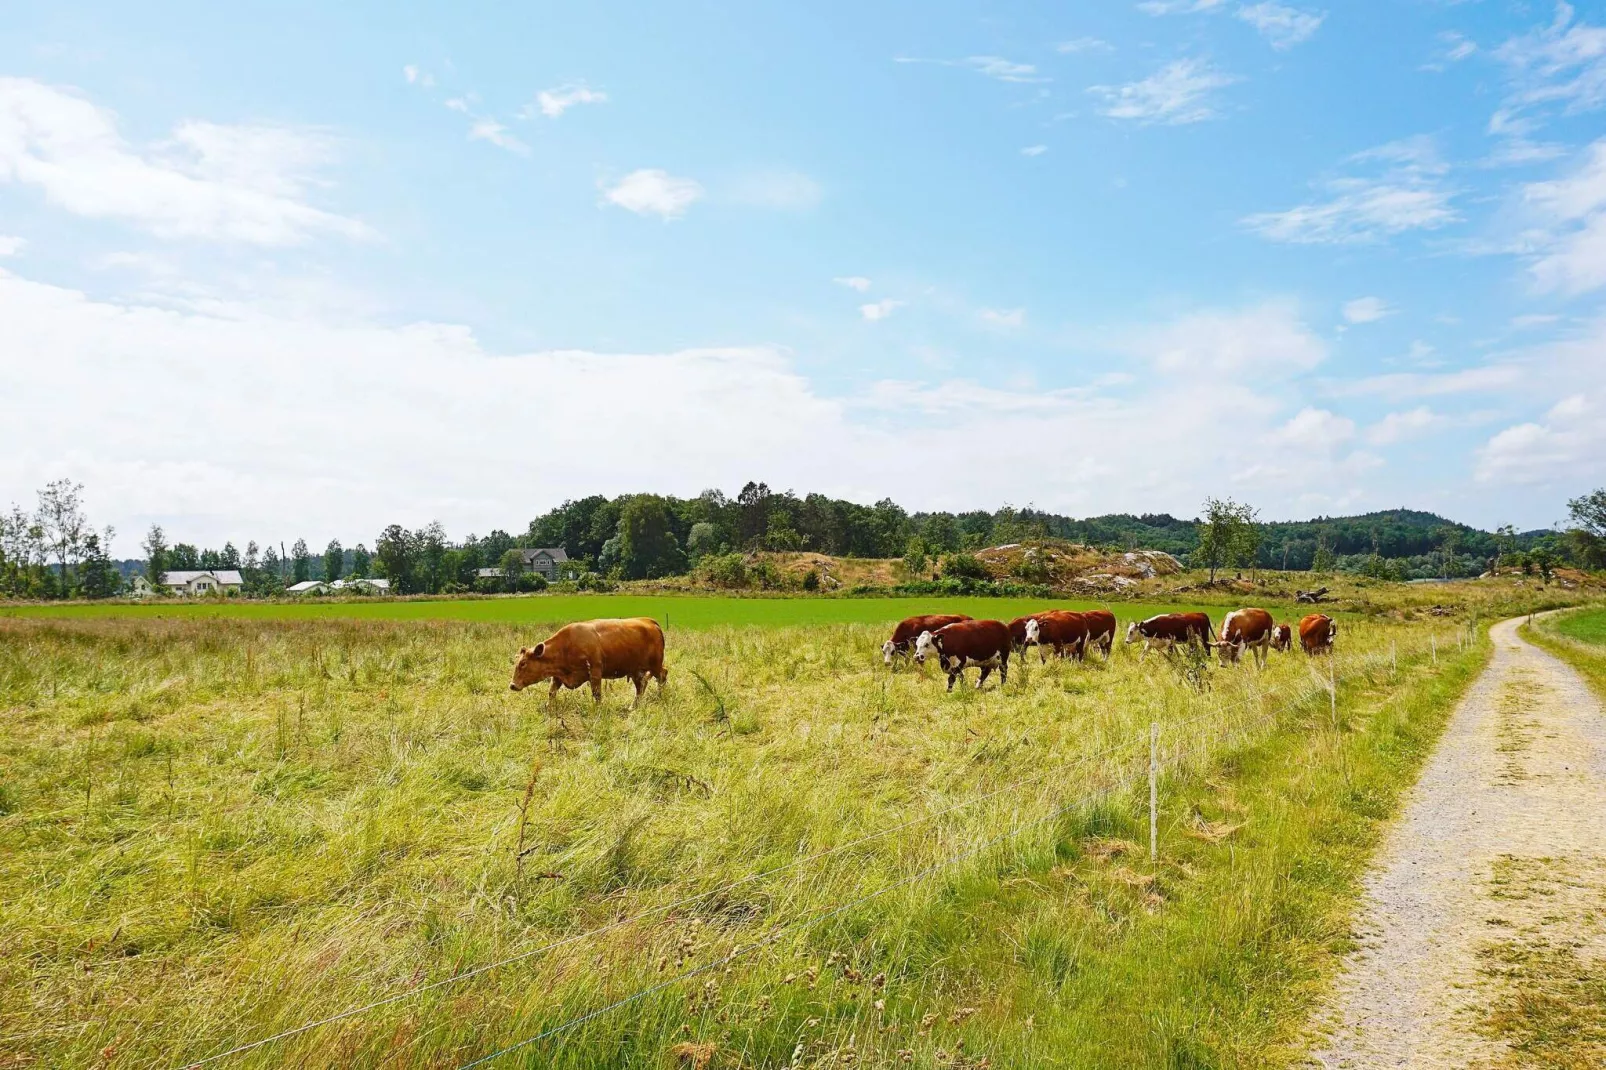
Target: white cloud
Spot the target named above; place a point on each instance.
(1366, 310)
(1398, 427)
(1007, 318)
(1269, 340)
(486, 129)
(1399, 386)
(654, 192)
(1315, 430)
(1556, 69)
(783, 190)
(1571, 226)
(1566, 446)
(252, 463)
(879, 310)
(1178, 93)
(1453, 48)
(1408, 193)
(1179, 7)
(224, 183)
(853, 282)
(554, 102)
(1034, 150)
(1281, 25)
(1083, 44)
(11, 245)
(992, 66)
(415, 76)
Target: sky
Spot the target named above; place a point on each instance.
(280, 271)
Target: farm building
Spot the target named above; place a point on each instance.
(202, 582)
(543, 561)
(362, 585)
(308, 587)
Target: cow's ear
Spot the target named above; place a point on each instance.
(523, 650)
(535, 651)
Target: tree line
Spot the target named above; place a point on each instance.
(54, 552)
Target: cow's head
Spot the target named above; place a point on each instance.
(924, 646)
(1132, 632)
(1332, 630)
(1034, 632)
(1230, 652)
(531, 667)
(888, 649)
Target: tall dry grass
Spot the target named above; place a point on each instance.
(213, 832)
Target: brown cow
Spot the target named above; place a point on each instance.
(1245, 629)
(593, 651)
(1316, 633)
(1061, 629)
(1100, 630)
(907, 631)
(1168, 629)
(984, 643)
(1017, 632)
(1282, 637)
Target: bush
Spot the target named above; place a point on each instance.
(723, 570)
(965, 567)
(530, 581)
(811, 580)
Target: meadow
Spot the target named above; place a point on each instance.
(216, 828)
(1578, 637)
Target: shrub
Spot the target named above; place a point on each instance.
(723, 570)
(811, 580)
(965, 567)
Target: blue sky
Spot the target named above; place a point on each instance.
(274, 270)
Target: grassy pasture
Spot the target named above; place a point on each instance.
(1578, 637)
(216, 827)
(679, 611)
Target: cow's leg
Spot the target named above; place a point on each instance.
(552, 696)
(640, 680)
(663, 678)
(1003, 671)
(952, 674)
(596, 689)
(982, 679)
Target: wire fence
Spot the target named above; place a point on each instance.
(1178, 754)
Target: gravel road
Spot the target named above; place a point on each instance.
(1498, 860)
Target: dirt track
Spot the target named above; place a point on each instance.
(1486, 916)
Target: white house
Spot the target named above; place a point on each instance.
(308, 587)
(223, 581)
(362, 585)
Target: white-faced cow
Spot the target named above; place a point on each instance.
(981, 643)
(1166, 630)
(907, 631)
(1061, 629)
(1245, 629)
(1282, 637)
(1317, 632)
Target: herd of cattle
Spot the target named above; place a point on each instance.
(597, 650)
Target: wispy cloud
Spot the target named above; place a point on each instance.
(1179, 7)
(1559, 68)
(234, 183)
(992, 66)
(790, 191)
(487, 129)
(1083, 44)
(1034, 150)
(653, 192)
(879, 310)
(1005, 318)
(1452, 48)
(415, 76)
(853, 282)
(554, 102)
(1282, 26)
(11, 245)
(1366, 310)
(1396, 427)
(1178, 93)
(1570, 235)
(1408, 193)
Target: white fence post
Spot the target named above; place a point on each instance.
(1394, 656)
(1434, 639)
(1154, 791)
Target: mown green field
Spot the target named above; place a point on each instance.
(682, 611)
(1587, 626)
(1578, 637)
(217, 829)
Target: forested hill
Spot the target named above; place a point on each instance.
(598, 529)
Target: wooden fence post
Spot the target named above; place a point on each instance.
(1154, 791)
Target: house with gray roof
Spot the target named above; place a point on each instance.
(194, 582)
(543, 561)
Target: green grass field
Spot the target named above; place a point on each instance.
(683, 611)
(213, 829)
(1577, 637)
(1587, 626)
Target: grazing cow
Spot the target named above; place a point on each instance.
(1018, 639)
(983, 643)
(1061, 629)
(907, 631)
(1168, 629)
(1245, 629)
(593, 651)
(1316, 633)
(1100, 630)
(1282, 637)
